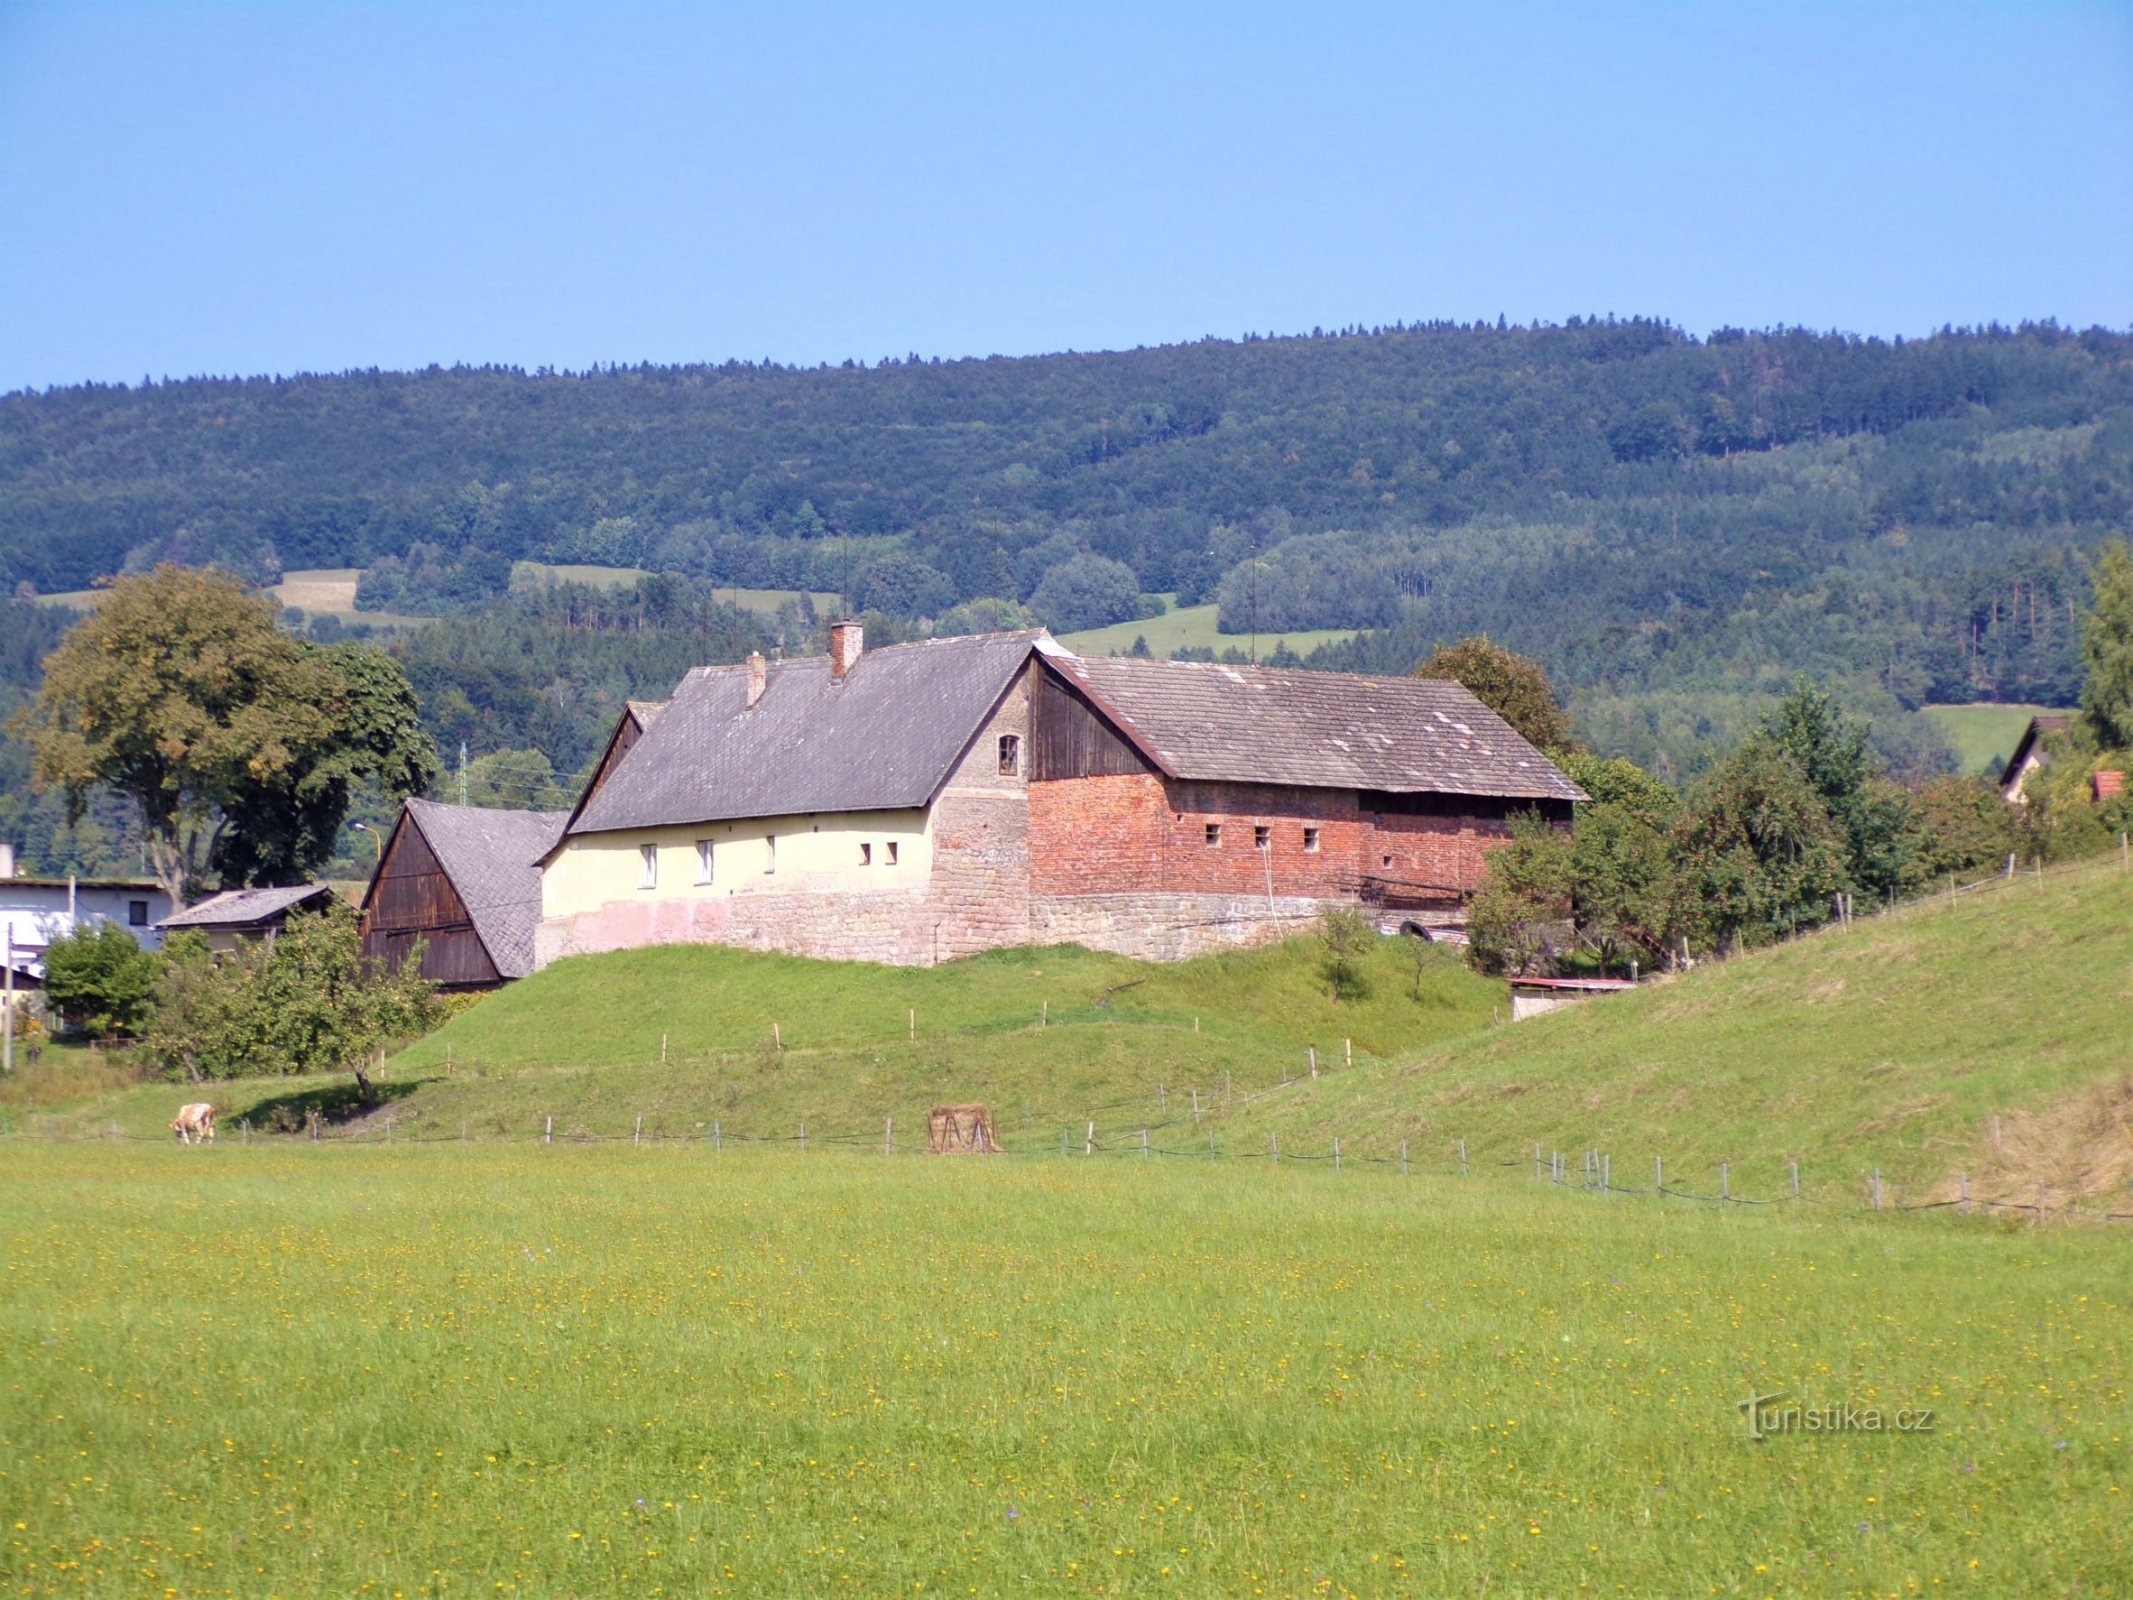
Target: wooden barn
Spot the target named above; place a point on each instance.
(463, 882)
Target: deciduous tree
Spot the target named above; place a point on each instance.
(1513, 686)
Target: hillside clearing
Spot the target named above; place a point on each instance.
(1984, 735)
(1181, 626)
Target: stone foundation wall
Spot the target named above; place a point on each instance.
(1169, 927)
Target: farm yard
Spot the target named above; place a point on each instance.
(446, 1369)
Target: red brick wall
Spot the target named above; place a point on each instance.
(1145, 834)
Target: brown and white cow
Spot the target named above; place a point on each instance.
(195, 1121)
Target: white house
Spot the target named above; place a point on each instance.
(35, 911)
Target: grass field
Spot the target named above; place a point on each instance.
(567, 572)
(444, 1370)
(1192, 625)
(1983, 735)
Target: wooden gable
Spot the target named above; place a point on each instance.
(412, 900)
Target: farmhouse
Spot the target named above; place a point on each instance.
(2030, 753)
(36, 910)
(924, 801)
(241, 916)
(463, 883)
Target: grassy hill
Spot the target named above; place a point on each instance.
(1181, 626)
(1983, 735)
(1983, 1036)
(1898, 1044)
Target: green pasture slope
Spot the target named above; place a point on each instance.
(1193, 625)
(1983, 735)
(443, 1369)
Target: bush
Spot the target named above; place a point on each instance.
(99, 980)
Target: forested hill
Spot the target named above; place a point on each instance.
(1653, 514)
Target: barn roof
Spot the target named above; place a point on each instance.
(1330, 730)
(882, 740)
(246, 908)
(492, 858)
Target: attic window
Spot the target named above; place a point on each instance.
(866, 854)
(1262, 837)
(892, 853)
(648, 870)
(1311, 840)
(1010, 754)
(1214, 836)
(705, 852)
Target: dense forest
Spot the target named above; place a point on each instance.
(1674, 526)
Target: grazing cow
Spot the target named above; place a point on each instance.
(196, 1121)
(960, 1130)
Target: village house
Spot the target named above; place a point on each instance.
(925, 801)
(237, 917)
(2030, 753)
(36, 910)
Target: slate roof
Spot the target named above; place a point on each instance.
(1323, 730)
(244, 908)
(492, 858)
(882, 740)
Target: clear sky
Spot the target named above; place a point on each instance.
(248, 188)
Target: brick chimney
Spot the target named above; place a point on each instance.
(847, 639)
(758, 677)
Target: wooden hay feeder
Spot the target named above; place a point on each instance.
(960, 1131)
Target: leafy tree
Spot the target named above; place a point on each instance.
(1513, 686)
(1830, 749)
(1087, 591)
(99, 979)
(514, 780)
(1758, 853)
(183, 694)
(1626, 881)
(1346, 935)
(1960, 826)
(1523, 913)
(304, 1003)
(2107, 650)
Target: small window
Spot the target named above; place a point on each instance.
(1010, 754)
(892, 852)
(1214, 836)
(648, 873)
(770, 847)
(1386, 861)
(1311, 840)
(866, 855)
(1262, 837)
(136, 913)
(706, 860)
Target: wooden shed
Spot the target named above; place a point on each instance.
(240, 916)
(464, 883)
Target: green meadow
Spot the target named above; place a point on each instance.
(446, 1369)
(1193, 625)
(1984, 735)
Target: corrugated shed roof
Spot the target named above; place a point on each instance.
(240, 908)
(884, 739)
(492, 858)
(1322, 730)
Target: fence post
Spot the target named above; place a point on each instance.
(1462, 1158)
(1196, 1105)
(1658, 1175)
(448, 1058)
(1044, 1015)
(803, 1136)
(548, 1132)
(777, 1038)
(662, 1049)
(1336, 1155)
(1795, 1180)
(1162, 1100)
(1403, 1158)
(1144, 1144)
(1877, 1188)
(1607, 1172)
(1089, 1145)
(1312, 1051)
(1725, 1181)
(462, 1130)
(388, 1130)
(1274, 1145)
(1963, 1179)
(637, 1133)
(911, 1023)
(1062, 1141)
(1349, 1046)
(245, 1135)
(1536, 1161)
(888, 1136)
(718, 1143)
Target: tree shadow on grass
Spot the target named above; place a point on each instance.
(334, 1104)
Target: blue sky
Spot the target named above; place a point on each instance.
(248, 188)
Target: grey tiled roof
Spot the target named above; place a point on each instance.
(1329, 730)
(240, 908)
(491, 857)
(884, 739)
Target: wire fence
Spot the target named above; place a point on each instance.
(1587, 1172)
